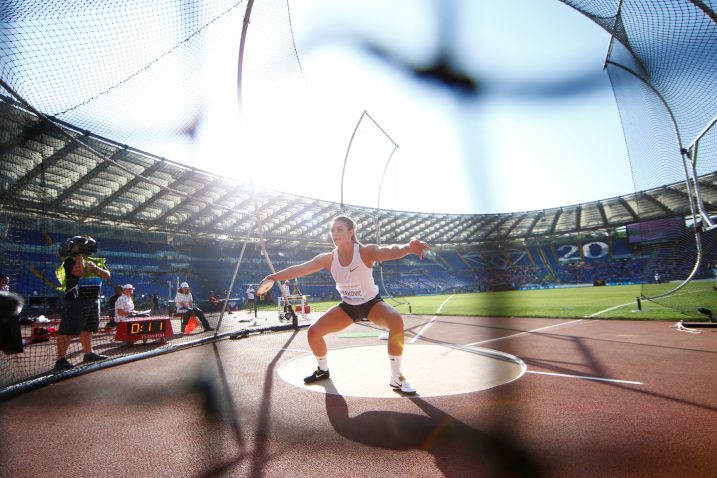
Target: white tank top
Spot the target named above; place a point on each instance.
(355, 281)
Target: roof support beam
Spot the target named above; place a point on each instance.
(127, 186)
(40, 168)
(223, 195)
(94, 172)
(558, 213)
(603, 214)
(193, 197)
(169, 189)
(27, 134)
(653, 200)
(628, 208)
(534, 222)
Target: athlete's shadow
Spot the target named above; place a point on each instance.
(459, 450)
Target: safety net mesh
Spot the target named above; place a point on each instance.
(661, 63)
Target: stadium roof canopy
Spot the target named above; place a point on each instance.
(51, 168)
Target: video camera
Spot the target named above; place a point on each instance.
(88, 246)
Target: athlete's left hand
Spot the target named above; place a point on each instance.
(418, 247)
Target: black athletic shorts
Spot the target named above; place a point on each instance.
(358, 312)
(79, 315)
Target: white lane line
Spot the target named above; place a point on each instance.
(440, 307)
(422, 330)
(290, 350)
(631, 382)
(608, 310)
(524, 333)
(430, 322)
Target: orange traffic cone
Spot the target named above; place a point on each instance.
(192, 324)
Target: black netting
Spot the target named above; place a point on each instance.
(77, 123)
(75, 73)
(661, 64)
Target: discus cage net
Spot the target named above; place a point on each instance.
(88, 90)
(101, 101)
(661, 61)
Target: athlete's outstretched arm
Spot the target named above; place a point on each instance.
(397, 251)
(322, 261)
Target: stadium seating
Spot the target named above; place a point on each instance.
(156, 267)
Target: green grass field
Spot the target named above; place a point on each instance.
(612, 302)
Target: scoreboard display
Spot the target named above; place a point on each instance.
(657, 230)
(144, 328)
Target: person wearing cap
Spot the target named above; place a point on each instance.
(185, 306)
(124, 306)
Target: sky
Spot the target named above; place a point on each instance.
(542, 130)
(536, 128)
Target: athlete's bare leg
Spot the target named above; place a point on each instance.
(334, 320)
(389, 318)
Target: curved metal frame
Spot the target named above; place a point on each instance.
(389, 295)
(688, 182)
(378, 235)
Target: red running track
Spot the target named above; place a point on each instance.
(599, 399)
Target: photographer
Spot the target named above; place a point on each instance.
(82, 278)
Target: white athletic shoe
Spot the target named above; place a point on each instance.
(402, 384)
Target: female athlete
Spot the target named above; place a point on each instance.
(351, 266)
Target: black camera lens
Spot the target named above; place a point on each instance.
(87, 246)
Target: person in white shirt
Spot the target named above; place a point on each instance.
(185, 306)
(351, 265)
(124, 305)
(285, 288)
(250, 298)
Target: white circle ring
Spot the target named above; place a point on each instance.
(433, 370)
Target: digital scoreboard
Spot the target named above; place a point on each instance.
(144, 329)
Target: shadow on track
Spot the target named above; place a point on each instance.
(458, 449)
